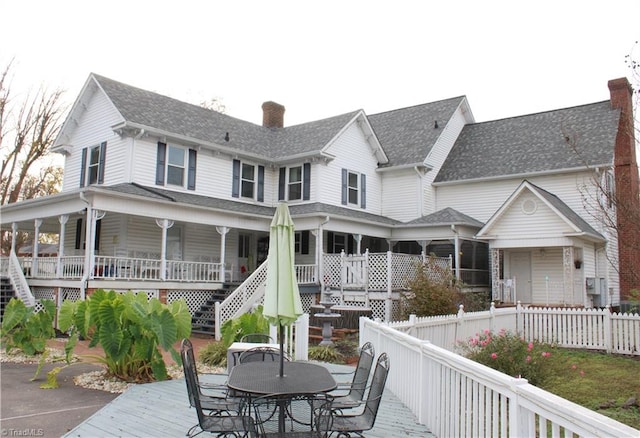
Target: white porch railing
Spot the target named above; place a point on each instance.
(457, 397)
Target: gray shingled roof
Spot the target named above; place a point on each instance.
(446, 216)
(533, 143)
(243, 207)
(408, 134)
(171, 115)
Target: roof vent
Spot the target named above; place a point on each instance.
(226, 137)
(435, 125)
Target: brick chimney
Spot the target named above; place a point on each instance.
(627, 185)
(272, 115)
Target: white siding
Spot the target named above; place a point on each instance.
(94, 127)
(401, 194)
(354, 153)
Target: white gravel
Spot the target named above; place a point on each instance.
(94, 379)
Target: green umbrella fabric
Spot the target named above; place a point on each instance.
(282, 305)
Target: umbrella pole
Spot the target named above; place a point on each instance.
(281, 334)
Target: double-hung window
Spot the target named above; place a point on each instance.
(248, 181)
(176, 166)
(295, 183)
(354, 188)
(92, 165)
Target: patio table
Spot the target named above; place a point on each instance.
(262, 378)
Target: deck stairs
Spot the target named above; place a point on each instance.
(6, 293)
(203, 320)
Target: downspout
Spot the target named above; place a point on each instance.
(456, 246)
(85, 275)
(420, 196)
(319, 253)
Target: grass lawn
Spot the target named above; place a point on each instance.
(598, 381)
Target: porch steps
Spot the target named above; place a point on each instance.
(203, 320)
(6, 293)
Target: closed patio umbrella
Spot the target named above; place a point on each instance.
(282, 305)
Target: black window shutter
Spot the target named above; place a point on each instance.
(363, 190)
(330, 241)
(103, 157)
(83, 167)
(260, 183)
(306, 181)
(162, 156)
(350, 249)
(344, 186)
(282, 183)
(78, 233)
(191, 179)
(96, 242)
(304, 242)
(235, 183)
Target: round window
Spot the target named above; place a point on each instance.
(529, 206)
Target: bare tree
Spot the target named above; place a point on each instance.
(31, 126)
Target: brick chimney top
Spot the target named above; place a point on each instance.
(272, 115)
(620, 91)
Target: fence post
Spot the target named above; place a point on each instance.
(389, 304)
(492, 321)
(412, 324)
(519, 319)
(216, 322)
(608, 330)
(302, 337)
(460, 320)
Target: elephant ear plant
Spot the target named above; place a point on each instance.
(130, 328)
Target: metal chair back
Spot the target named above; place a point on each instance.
(257, 338)
(261, 354)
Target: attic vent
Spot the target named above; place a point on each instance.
(529, 206)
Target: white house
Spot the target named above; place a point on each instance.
(175, 199)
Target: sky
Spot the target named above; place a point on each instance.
(321, 59)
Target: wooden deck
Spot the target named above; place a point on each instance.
(162, 409)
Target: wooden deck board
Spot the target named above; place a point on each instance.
(162, 409)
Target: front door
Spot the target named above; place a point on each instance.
(520, 264)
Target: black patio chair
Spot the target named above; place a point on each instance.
(215, 401)
(261, 354)
(357, 388)
(257, 338)
(289, 415)
(344, 424)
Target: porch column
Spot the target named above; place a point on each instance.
(63, 218)
(318, 255)
(164, 224)
(495, 272)
(358, 239)
(223, 250)
(36, 247)
(568, 270)
(14, 233)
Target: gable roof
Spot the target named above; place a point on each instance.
(146, 109)
(565, 212)
(534, 143)
(408, 134)
(446, 216)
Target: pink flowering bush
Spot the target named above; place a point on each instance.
(508, 353)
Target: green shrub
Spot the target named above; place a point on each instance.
(25, 329)
(214, 354)
(130, 329)
(325, 353)
(508, 353)
(433, 291)
(347, 347)
(234, 329)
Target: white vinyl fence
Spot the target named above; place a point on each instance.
(457, 397)
(594, 329)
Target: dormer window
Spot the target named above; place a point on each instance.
(92, 165)
(176, 166)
